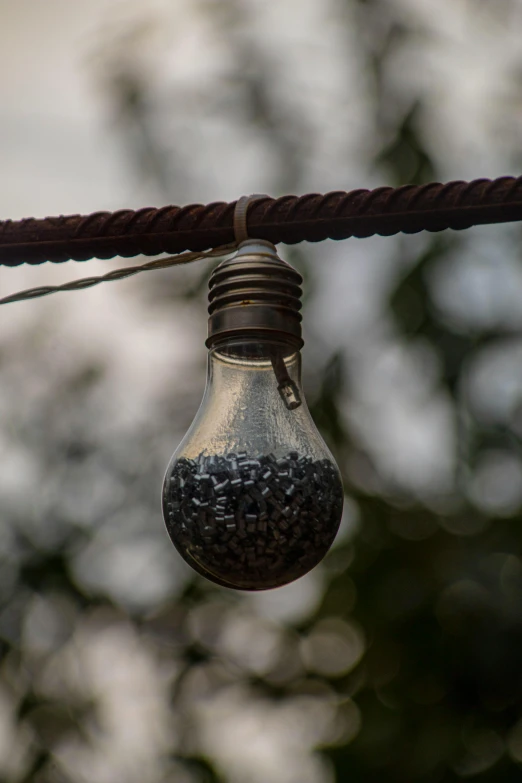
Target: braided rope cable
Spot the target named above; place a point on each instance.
(289, 219)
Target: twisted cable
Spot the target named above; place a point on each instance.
(289, 219)
(116, 274)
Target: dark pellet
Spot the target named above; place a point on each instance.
(253, 522)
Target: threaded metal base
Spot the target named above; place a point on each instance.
(255, 295)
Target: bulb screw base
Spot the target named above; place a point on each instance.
(255, 295)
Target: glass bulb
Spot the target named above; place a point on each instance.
(252, 498)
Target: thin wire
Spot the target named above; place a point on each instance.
(118, 274)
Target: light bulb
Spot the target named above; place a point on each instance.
(252, 498)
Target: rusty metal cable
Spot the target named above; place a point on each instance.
(289, 219)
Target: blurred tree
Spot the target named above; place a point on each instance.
(402, 660)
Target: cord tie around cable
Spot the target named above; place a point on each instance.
(241, 214)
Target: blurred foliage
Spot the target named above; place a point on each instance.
(408, 666)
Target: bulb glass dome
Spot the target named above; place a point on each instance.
(252, 497)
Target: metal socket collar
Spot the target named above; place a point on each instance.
(255, 295)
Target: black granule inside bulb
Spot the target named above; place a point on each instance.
(252, 522)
